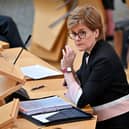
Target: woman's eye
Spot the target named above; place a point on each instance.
(82, 33)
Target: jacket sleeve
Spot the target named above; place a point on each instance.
(97, 84)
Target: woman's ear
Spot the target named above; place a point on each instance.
(96, 33)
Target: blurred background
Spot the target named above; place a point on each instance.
(31, 16)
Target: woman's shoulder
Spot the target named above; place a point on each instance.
(103, 48)
(104, 51)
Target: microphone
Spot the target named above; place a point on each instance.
(22, 49)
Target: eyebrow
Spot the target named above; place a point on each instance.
(79, 30)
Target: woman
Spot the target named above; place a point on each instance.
(101, 80)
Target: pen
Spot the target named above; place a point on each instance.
(37, 87)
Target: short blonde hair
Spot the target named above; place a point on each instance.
(89, 16)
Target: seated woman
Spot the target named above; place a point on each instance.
(101, 80)
(9, 32)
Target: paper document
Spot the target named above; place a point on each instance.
(53, 103)
(38, 72)
(43, 117)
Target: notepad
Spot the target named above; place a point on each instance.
(49, 104)
(72, 114)
(38, 72)
(62, 115)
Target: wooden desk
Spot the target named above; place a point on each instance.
(88, 124)
(26, 58)
(10, 76)
(11, 110)
(52, 87)
(8, 87)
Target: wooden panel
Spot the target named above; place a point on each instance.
(55, 53)
(7, 87)
(9, 70)
(4, 44)
(11, 110)
(45, 14)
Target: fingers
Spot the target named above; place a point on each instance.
(68, 57)
(63, 52)
(68, 49)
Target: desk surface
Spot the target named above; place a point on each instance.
(88, 124)
(26, 58)
(53, 86)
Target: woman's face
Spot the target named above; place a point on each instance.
(83, 37)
